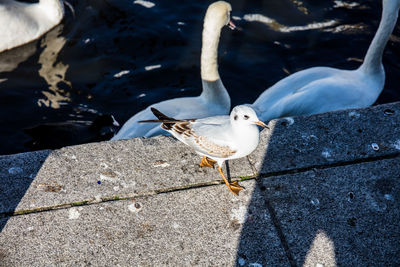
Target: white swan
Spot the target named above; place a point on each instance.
(323, 89)
(214, 100)
(21, 23)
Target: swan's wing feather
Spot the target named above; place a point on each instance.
(323, 95)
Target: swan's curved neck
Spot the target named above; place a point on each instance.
(209, 53)
(373, 59)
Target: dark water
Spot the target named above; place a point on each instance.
(68, 78)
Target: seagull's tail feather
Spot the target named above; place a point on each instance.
(161, 116)
(167, 122)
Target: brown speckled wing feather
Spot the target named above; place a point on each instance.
(201, 143)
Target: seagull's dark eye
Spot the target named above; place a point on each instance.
(246, 117)
(235, 118)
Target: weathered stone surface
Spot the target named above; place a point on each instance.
(98, 170)
(192, 227)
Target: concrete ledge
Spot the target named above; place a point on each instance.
(326, 193)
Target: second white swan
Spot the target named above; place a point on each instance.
(322, 89)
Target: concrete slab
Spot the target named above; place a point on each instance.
(184, 228)
(329, 139)
(109, 170)
(341, 216)
(326, 194)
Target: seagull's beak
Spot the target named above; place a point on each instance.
(260, 123)
(231, 25)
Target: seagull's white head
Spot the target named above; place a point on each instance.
(245, 115)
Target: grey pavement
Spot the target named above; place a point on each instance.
(321, 190)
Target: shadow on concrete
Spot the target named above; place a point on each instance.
(332, 213)
(17, 172)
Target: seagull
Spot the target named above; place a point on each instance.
(214, 99)
(322, 89)
(217, 138)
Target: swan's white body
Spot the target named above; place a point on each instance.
(214, 100)
(21, 23)
(322, 89)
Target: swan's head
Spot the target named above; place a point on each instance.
(245, 115)
(218, 15)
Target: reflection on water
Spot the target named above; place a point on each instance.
(10, 59)
(276, 26)
(52, 71)
(116, 57)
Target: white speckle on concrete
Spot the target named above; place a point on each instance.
(116, 188)
(255, 264)
(354, 115)
(73, 214)
(239, 214)
(107, 178)
(146, 4)
(241, 261)
(161, 163)
(135, 207)
(396, 145)
(375, 146)
(380, 207)
(103, 165)
(327, 153)
(309, 137)
(319, 265)
(30, 228)
(152, 67)
(175, 225)
(315, 202)
(97, 198)
(121, 73)
(388, 197)
(73, 157)
(15, 170)
(289, 120)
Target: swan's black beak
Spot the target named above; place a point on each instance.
(231, 25)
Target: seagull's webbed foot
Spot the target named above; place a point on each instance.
(234, 187)
(207, 162)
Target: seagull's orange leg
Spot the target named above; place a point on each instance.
(207, 162)
(234, 187)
